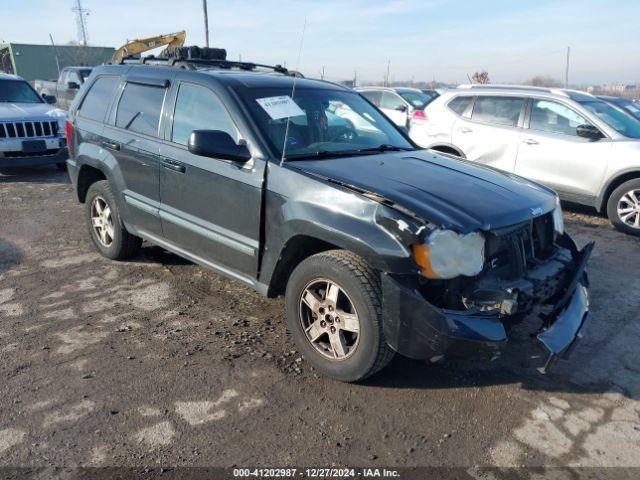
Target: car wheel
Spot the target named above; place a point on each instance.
(623, 207)
(334, 313)
(62, 166)
(105, 225)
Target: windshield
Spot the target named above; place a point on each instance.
(620, 121)
(418, 100)
(629, 106)
(323, 122)
(17, 91)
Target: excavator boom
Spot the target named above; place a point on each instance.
(135, 47)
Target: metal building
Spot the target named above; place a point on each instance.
(39, 61)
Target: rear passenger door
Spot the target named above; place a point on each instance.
(211, 208)
(491, 135)
(132, 137)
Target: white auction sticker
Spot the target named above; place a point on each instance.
(280, 107)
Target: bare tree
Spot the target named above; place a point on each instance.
(481, 77)
(544, 81)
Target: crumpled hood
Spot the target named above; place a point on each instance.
(449, 193)
(16, 112)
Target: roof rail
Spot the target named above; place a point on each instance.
(505, 87)
(200, 63)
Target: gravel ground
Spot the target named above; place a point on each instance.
(156, 361)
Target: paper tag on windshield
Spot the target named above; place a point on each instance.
(280, 107)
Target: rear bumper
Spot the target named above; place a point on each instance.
(36, 160)
(417, 329)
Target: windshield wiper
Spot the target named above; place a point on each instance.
(385, 147)
(320, 154)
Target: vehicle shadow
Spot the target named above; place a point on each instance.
(10, 255)
(46, 174)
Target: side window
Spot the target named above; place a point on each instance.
(554, 117)
(373, 96)
(198, 108)
(64, 76)
(139, 108)
(460, 104)
(96, 102)
(73, 77)
(391, 101)
(498, 110)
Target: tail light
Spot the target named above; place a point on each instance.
(418, 115)
(69, 131)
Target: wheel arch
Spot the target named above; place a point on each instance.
(87, 176)
(447, 148)
(614, 183)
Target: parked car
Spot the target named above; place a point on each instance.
(378, 246)
(66, 87)
(432, 94)
(580, 146)
(32, 132)
(401, 105)
(627, 105)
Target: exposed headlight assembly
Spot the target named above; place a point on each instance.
(558, 220)
(448, 254)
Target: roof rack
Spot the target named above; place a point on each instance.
(191, 63)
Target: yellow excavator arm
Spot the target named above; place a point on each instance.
(135, 47)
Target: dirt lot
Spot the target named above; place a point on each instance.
(159, 362)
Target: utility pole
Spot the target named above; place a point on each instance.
(355, 75)
(55, 52)
(322, 73)
(206, 22)
(386, 78)
(566, 73)
(81, 22)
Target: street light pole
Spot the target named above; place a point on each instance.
(206, 22)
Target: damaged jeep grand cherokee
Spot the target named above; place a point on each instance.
(303, 188)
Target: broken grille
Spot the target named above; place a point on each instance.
(28, 129)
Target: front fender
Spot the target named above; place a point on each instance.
(298, 205)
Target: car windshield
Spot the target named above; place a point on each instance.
(323, 123)
(620, 121)
(17, 91)
(418, 100)
(629, 106)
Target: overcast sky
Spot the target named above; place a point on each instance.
(445, 39)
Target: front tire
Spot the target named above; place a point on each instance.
(623, 207)
(105, 225)
(334, 313)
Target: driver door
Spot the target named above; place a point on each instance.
(209, 207)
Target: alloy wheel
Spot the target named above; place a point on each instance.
(329, 319)
(102, 221)
(629, 209)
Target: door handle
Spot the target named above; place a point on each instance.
(531, 141)
(465, 130)
(111, 145)
(174, 167)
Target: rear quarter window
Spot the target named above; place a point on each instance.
(460, 104)
(98, 98)
(139, 108)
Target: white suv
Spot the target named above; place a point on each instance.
(400, 104)
(584, 148)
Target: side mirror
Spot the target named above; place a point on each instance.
(50, 99)
(73, 86)
(217, 144)
(401, 108)
(589, 131)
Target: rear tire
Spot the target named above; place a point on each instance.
(623, 207)
(105, 225)
(360, 349)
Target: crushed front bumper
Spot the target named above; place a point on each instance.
(418, 329)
